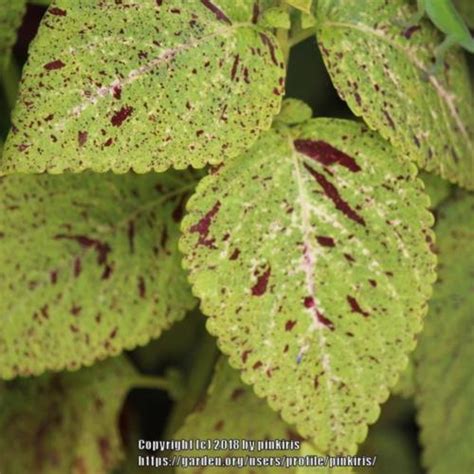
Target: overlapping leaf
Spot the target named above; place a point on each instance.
(231, 411)
(380, 69)
(89, 266)
(444, 376)
(310, 255)
(11, 13)
(64, 422)
(144, 85)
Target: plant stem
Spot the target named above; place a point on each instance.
(198, 381)
(43, 3)
(150, 381)
(301, 36)
(282, 37)
(10, 79)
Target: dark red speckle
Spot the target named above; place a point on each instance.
(267, 42)
(58, 64)
(233, 72)
(260, 286)
(332, 193)
(82, 138)
(308, 302)
(141, 287)
(117, 92)
(409, 31)
(235, 255)
(245, 355)
(355, 307)
(325, 241)
(202, 227)
(237, 393)
(326, 154)
(255, 12)
(53, 276)
(289, 325)
(57, 11)
(119, 117)
(220, 15)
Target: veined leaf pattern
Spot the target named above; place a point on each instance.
(379, 68)
(144, 85)
(89, 266)
(311, 257)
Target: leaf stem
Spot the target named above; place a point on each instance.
(282, 36)
(43, 3)
(200, 374)
(301, 36)
(10, 80)
(173, 385)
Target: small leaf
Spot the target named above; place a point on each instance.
(144, 86)
(277, 17)
(89, 266)
(310, 256)
(380, 70)
(64, 423)
(11, 14)
(231, 411)
(294, 111)
(307, 20)
(444, 376)
(303, 5)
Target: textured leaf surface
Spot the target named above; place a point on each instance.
(309, 254)
(232, 411)
(64, 423)
(378, 69)
(444, 375)
(89, 266)
(144, 85)
(11, 14)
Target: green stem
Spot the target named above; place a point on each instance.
(10, 80)
(301, 36)
(169, 384)
(43, 3)
(282, 36)
(200, 374)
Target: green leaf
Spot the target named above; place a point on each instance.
(405, 386)
(231, 411)
(144, 86)
(294, 111)
(11, 14)
(303, 5)
(380, 71)
(89, 266)
(466, 9)
(444, 376)
(277, 17)
(64, 422)
(309, 254)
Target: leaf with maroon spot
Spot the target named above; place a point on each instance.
(89, 266)
(66, 422)
(333, 271)
(141, 96)
(231, 411)
(444, 388)
(382, 71)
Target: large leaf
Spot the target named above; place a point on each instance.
(231, 411)
(89, 266)
(309, 254)
(11, 14)
(144, 85)
(444, 375)
(380, 69)
(64, 423)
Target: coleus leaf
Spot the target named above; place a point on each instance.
(65, 422)
(437, 188)
(311, 259)
(303, 5)
(89, 266)
(443, 368)
(11, 14)
(232, 411)
(144, 86)
(380, 70)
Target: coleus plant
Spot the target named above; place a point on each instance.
(308, 242)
